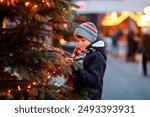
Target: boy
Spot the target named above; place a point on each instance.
(90, 53)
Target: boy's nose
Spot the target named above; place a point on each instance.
(80, 43)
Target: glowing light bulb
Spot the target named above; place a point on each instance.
(9, 91)
(73, 8)
(27, 3)
(48, 4)
(19, 88)
(49, 77)
(147, 10)
(35, 6)
(65, 25)
(62, 41)
(58, 90)
(34, 83)
(29, 86)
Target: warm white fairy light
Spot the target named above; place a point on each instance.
(35, 6)
(73, 8)
(48, 4)
(34, 83)
(65, 25)
(29, 87)
(9, 91)
(147, 10)
(58, 90)
(62, 41)
(19, 88)
(27, 3)
(67, 59)
(49, 77)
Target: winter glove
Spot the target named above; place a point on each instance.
(80, 58)
(76, 66)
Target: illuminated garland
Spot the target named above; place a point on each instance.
(112, 19)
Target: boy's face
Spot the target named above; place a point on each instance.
(82, 42)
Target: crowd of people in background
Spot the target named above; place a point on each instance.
(137, 46)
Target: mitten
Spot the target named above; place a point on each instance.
(80, 58)
(76, 66)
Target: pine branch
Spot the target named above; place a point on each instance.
(20, 27)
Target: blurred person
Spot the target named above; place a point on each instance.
(132, 45)
(145, 49)
(90, 52)
(115, 38)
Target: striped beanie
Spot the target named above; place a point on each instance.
(87, 30)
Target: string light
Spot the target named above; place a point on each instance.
(34, 83)
(48, 4)
(62, 41)
(65, 25)
(19, 88)
(73, 8)
(27, 3)
(67, 59)
(29, 87)
(58, 90)
(49, 77)
(147, 10)
(35, 6)
(9, 91)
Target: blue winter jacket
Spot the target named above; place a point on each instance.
(94, 64)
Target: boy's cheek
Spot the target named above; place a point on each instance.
(81, 46)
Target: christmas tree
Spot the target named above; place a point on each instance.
(30, 68)
(28, 62)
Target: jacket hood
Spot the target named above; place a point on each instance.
(99, 46)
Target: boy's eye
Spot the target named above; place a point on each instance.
(82, 40)
(78, 36)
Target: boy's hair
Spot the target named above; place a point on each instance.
(87, 30)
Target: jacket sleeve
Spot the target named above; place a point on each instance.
(93, 75)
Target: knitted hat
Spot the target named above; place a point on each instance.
(87, 30)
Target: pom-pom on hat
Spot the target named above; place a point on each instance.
(87, 30)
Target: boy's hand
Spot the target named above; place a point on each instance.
(76, 66)
(80, 58)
